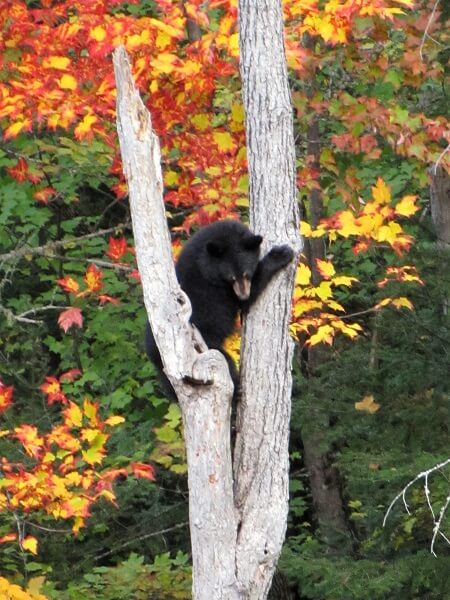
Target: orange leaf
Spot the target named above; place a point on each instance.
(70, 316)
(5, 396)
(69, 284)
(143, 471)
(9, 537)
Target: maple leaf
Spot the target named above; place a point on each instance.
(73, 416)
(117, 248)
(143, 471)
(368, 405)
(325, 268)
(30, 439)
(52, 388)
(303, 275)
(43, 195)
(9, 537)
(93, 278)
(91, 411)
(68, 82)
(69, 284)
(381, 192)
(224, 141)
(30, 543)
(406, 207)
(6, 393)
(70, 316)
(20, 171)
(70, 375)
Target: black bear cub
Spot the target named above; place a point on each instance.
(220, 270)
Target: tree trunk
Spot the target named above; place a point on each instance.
(440, 212)
(236, 533)
(206, 409)
(261, 453)
(323, 476)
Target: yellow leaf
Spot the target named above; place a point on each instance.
(85, 125)
(402, 303)
(165, 62)
(343, 280)
(98, 33)
(303, 275)
(323, 291)
(114, 420)
(171, 178)
(73, 415)
(347, 225)
(325, 268)
(237, 113)
(223, 140)
(388, 233)
(406, 207)
(324, 334)
(201, 121)
(163, 39)
(30, 544)
(305, 229)
(233, 44)
(381, 192)
(17, 127)
(368, 405)
(67, 82)
(56, 62)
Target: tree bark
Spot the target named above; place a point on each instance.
(205, 408)
(236, 533)
(323, 476)
(261, 453)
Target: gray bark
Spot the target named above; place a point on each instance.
(236, 532)
(206, 409)
(261, 454)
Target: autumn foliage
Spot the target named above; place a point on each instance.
(357, 69)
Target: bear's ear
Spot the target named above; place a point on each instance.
(215, 249)
(252, 242)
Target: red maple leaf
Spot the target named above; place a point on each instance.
(117, 248)
(70, 316)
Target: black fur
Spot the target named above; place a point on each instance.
(220, 271)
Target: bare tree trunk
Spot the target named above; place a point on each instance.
(261, 454)
(206, 409)
(236, 533)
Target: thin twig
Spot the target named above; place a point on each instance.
(48, 248)
(436, 523)
(140, 538)
(425, 33)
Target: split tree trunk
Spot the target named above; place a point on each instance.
(236, 532)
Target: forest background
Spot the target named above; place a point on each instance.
(93, 492)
